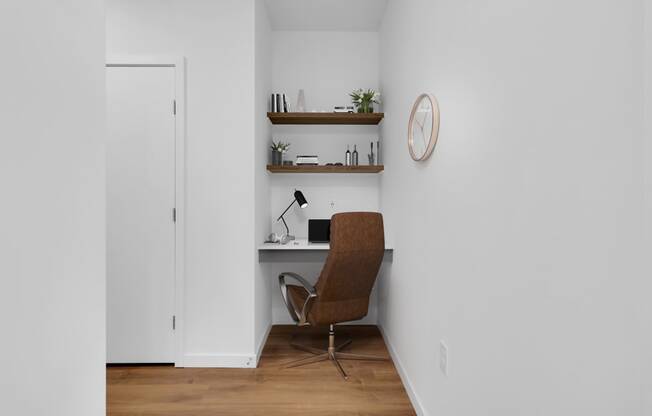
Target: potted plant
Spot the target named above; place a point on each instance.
(278, 148)
(364, 100)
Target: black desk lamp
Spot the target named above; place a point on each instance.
(299, 199)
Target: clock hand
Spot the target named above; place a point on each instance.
(422, 126)
(417, 120)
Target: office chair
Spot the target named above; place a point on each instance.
(341, 294)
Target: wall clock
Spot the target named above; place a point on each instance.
(423, 127)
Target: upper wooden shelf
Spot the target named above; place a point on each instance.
(326, 118)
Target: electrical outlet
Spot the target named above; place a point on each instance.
(443, 357)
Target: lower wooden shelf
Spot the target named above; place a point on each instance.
(326, 169)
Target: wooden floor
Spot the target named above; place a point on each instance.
(373, 388)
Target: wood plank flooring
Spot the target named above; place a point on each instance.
(373, 388)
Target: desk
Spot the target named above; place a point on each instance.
(301, 251)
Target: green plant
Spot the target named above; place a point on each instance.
(280, 146)
(364, 99)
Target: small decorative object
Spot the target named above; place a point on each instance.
(364, 100)
(354, 156)
(371, 156)
(423, 127)
(344, 109)
(278, 148)
(347, 156)
(273, 238)
(301, 102)
(311, 160)
(287, 163)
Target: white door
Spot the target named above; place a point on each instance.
(140, 203)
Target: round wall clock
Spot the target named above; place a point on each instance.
(423, 127)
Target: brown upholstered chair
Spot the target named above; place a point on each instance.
(341, 294)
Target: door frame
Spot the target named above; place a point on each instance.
(179, 65)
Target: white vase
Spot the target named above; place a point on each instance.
(301, 102)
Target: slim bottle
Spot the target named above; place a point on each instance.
(347, 158)
(354, 157)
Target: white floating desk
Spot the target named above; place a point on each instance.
(300, 250)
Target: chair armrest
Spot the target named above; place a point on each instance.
(299, 316)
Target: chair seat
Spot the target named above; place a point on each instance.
(329, 312)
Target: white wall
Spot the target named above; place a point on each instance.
(263, 89)
(327, 66)
(646, 306)
(217, 38)
(517, 242)
(52, 297)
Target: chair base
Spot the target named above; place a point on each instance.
(333, 353)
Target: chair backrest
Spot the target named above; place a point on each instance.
(357, 246)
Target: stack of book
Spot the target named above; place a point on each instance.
(279, 104)
(303, 160)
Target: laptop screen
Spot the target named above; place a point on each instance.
(319, 231)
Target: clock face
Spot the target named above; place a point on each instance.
(423, 127)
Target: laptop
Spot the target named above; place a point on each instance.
(319, 231)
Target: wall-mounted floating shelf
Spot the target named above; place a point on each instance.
(325, 169)
(326, 118)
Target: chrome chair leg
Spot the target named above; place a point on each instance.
(344, 345)
(308, 360)
(349, 356)
(311, 350)
(337, 365)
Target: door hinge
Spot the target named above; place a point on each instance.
(174, 322)
(174, 215)
(174, 107)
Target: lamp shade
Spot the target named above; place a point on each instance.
(301, 200)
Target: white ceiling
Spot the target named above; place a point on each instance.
(326, 15)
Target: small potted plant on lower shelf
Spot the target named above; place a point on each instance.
(278, 148)
(365, 100)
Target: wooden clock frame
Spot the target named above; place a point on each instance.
(434, 133)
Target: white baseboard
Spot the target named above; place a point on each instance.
(227, 360)
(414, 398)
(261, 345)
(219, 360)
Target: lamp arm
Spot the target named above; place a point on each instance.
(286, 209)
(287, 230)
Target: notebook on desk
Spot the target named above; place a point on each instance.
(319, 231)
